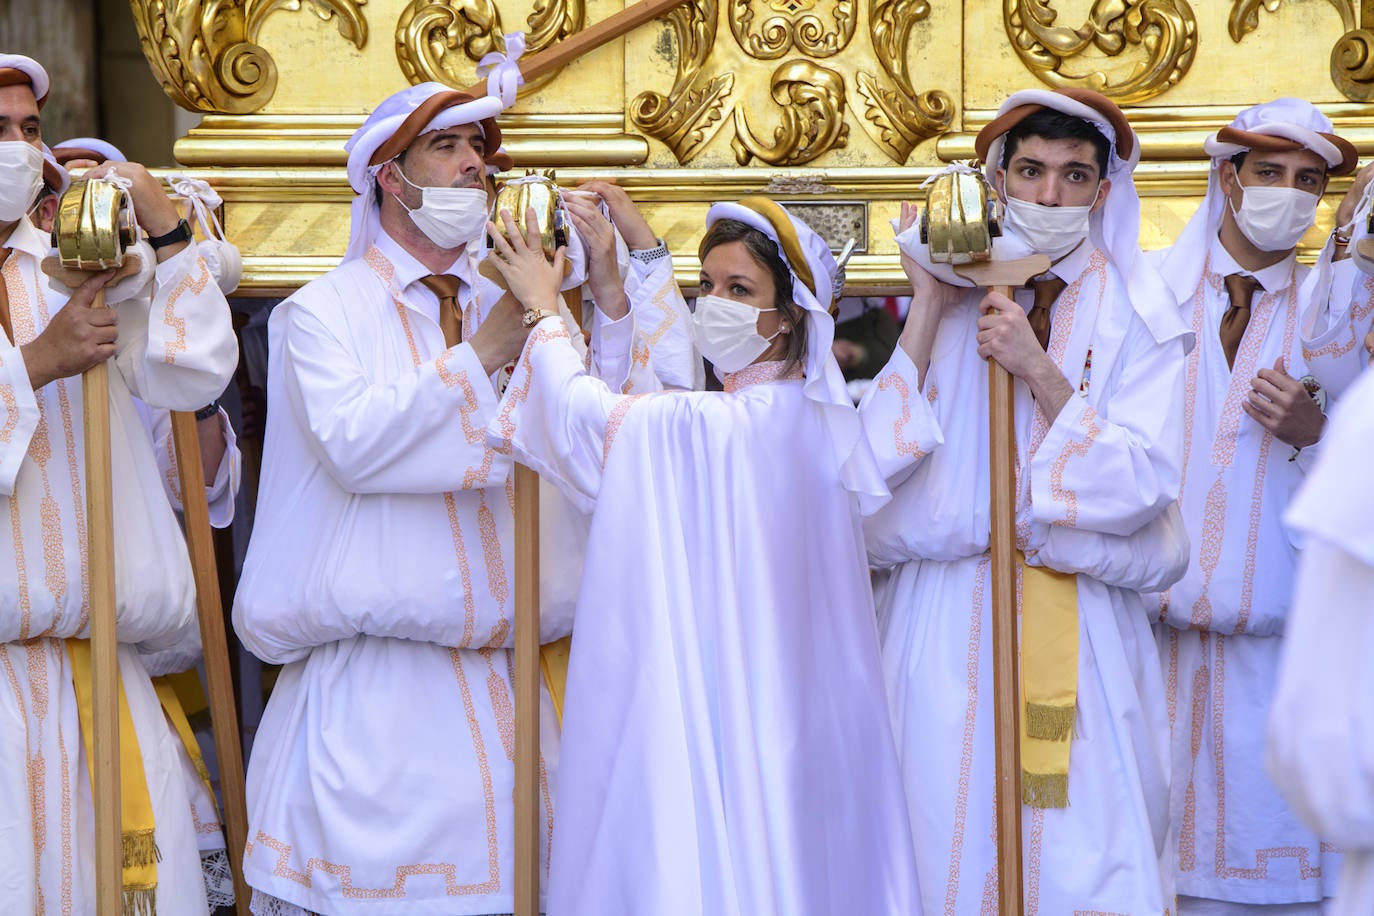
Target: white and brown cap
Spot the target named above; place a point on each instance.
(395, 124)
(18, 70)
(1284, 125)
(1093, 107)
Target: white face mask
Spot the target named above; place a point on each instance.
(449, 217)
(1274, 219)
(727, 332)
(1053, 231)
(21, 178)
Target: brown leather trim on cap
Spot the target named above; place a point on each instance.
(415, 123)
(1269, 143)
(788, 239)
(501, 160)
(1125, 139)
(13, 76)
(68, 153)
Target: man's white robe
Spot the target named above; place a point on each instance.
(380, 575)
(726, 746)
(1321, 726)
(175, 349)
(1221, 625)
(1095, 496)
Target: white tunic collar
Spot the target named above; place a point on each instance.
(1273, 278)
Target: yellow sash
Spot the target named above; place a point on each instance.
(136, 808)
(1049, 682)
(553, 661)
(170, 690)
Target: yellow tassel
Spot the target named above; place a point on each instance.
(1053, 723)
(140, 901)
(1045, 790)
(140, 849)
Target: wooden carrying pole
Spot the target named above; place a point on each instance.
(526, 691)
(585, 41)
(215, 646)
(1000, 277)
(109, 857)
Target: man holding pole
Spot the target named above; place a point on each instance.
(383, 772)
(1098, 364)
(1249, 425)
(167, 339)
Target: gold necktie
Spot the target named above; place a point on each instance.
(1047, 289)
(1240, 288)
(445, 286)
(5, 300)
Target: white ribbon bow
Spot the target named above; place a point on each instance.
(201, 202)
(501, 70)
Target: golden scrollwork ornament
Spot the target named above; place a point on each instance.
(205, 53)
(792, 24)
(689, 115)
(811, 99)
(1352, 57)
(442, 40)
(1152, 41)
(896, 115)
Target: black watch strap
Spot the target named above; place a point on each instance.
(208, 411)
(181, 233)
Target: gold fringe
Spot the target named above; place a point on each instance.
(1045, 790)
(1052, 723)
(140, 849)
(140, 901)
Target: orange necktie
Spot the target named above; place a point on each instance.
(1047, 289)
(1241, 289)
(445, 286)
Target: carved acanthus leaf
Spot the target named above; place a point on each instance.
(206, 55)
(896, 116)
(689, 115)
(1162, 34)
(811, 100)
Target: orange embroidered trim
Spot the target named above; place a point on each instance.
(169, 316)
(903, 446)
(11, 409)
(613, 422)
(1209, 549)
(1072, 449)
(1340, 347)
(1033, 848)
(1187, 840)
(975, 641)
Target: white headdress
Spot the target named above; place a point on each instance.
(814, 275)
(392, 127)
(16, 69)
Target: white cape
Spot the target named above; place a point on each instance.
(726, 745)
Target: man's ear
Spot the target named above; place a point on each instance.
(1226, 177)
(1103, 190)
(387, 179)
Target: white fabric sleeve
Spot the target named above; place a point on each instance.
(219, 492)
(898, 417)
(1113, 468)
(19, 414)
(418, 433)
(557, 419)
(177, 349)
(1333, 330)
(651, 347)
(1320, 745)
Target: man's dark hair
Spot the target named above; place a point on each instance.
(1055, 125)
(377, 185)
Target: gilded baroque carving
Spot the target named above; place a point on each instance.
(205, 52)
(442, 40)
(688, 116)
(811, 99)
(896, 115)
(1352, 57)
(1163, 33)
(793, 25)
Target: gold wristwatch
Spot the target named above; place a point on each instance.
(534, 316)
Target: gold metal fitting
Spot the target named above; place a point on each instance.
(961, 218)
(94, 225)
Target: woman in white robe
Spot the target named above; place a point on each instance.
(1321, 726)
(726, 745)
